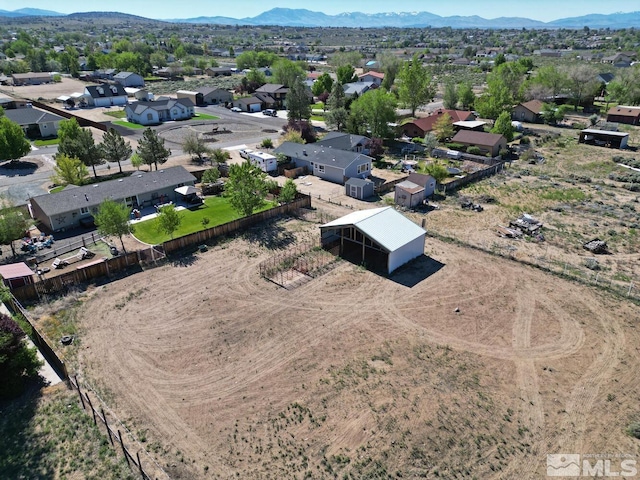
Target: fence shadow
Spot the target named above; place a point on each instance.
(273, 237)
(416, 271)
(185, 259)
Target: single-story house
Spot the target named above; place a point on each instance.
(218, 71)
(104, 74)
(528, 111)
(328, 163)
(490, 143)
(380, 238)
(624, 114)
(8, 103)
(215, 96)
(276, 91)
(604, 138)
(65, 209)
(371, 76)
(106, 95)
(16, 275)
(419, 127)
(35, 123)
(359, 188)
(156, 112)
(605, 78)
(248, 104)
(357, 89)
(31, 78)
(345, 141)
(129, 79)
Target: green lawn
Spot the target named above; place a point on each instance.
(128, 124)
(318, 118)
(205, 116)
(44, 143)
(117, 113)
(216, 209)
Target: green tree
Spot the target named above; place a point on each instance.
(346, 74)
(345, 58)
(372, 113)
(256, 77)
(211, 175)
(112, 219)
(288, 191)
(553, 78)
(390, 65)
(151, 149)
(582, 82)
(13, 225)
(293, 136)
(169, 220)
(503, 126)
(552, 113)
(437, 171)
(298, 104)
(492, 103)
(443, 127)
(220, 156)
(195, 146)
(466, 95)
(450, 99)
(324, 83)
(430, 142)
(415, 85)
(114, 148)
(136, 161)
(625, 87)
(246, 188)
(77, 142)
(13, 144)
(337, 116)
(18, 362)
(69, 171)
(286, 72)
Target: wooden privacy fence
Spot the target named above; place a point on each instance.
(115, 436)
(83, 122)
(460, 182)
(47, 351)
(302, 201)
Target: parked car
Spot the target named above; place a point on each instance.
(270, 111)
(236, 109)
(244, 153)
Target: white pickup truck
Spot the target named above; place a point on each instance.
(245, 152)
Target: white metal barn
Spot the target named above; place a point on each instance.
(380, 238)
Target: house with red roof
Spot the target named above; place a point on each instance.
(371, 76)
(418, 127)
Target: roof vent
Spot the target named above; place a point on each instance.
(140, 176)
(304, 152)
(120, 180)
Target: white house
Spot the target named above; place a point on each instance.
(154, 113)
(105, 95)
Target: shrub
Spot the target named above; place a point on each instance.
(267, 143)
(456, 146)
(525, 140)
(211, 175)
(473, 150)
(634, 429)
(417, 140)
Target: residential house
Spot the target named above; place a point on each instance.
(624, 114)
(65, 209)
(328, 163)
(30, 78)
(419, 127)
(129, 79)
(105, 95)
(374, 77)
(35, 123)
(249, 104)
(490, 143)
(345, 141)
(528, 111)
(9, 103)
(273, 95)
(218, 71)
(104, 74)
(357, 89)
(605, 78)
(156, 112)
(213, 96)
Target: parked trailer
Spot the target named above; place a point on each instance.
(265, 161)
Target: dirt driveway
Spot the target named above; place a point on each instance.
(463, 363)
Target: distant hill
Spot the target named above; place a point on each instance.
(300, 17)
(111, 16)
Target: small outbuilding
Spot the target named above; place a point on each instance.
(359, 188)
(381, 238)
(16, 275)
(604, 138)
(408, 194)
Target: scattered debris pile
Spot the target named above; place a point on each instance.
(507, 232)
(526, 224)
(596, 246)
(467, 204)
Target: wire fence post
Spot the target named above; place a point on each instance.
(106, 424)
(140, 465)
(124, 450)
(95, 422)
(75, 377)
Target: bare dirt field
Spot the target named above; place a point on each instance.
(48, 91)
(353, 375)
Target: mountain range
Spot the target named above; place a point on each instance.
(308, 18)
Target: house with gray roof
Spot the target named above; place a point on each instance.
(345, 141)
(31, 78)
(68, 208)
(156, 112)
(35, 123)
(356, 89)
(328, 163)
(215, 95)
(129, 79)
(105, 95)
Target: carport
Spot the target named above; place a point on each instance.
(382, 239)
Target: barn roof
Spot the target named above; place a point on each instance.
(15, 270)
(387, 227)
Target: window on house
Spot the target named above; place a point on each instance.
(149, 116)
(84, 210)
(363, 168)
(320, 168)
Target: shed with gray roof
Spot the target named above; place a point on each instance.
(64, 210)
(381, 238)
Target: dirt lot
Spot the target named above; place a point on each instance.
(227, 375)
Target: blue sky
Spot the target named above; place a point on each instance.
(544, 10)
